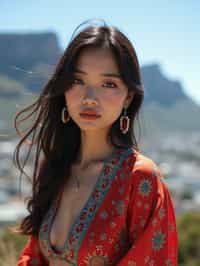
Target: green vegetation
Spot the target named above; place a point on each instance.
(10, 247)
(189, 239)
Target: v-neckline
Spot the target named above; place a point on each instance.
(76, 220)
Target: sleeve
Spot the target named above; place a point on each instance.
(151, 220)
(31, 254)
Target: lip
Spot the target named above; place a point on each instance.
(89, 117)
(90, 113)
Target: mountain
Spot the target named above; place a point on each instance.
(159, 88)
(22, 53)
(28, 59)
(166, 106)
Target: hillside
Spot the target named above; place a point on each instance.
(28, 59)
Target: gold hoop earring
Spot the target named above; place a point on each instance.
(124, 122)
(64, 115)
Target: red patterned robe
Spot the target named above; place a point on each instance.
(128, 220)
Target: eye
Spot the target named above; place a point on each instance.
(110, 84)
(77, 81)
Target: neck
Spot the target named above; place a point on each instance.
(93, 149)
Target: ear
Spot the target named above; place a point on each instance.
(129, 98)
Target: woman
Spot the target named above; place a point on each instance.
(96, 199)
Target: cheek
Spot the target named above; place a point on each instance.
(71, 98)
(115, 100)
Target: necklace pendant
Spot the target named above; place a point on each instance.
(77, 186)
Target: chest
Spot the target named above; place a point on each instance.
(71, 203)
(94, 218)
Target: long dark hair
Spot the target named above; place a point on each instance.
(57, 144)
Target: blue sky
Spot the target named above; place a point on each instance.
(164, 32)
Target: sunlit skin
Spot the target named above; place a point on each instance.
(107, 95)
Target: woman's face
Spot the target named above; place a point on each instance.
(97, 85)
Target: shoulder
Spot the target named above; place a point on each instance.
(144, 171)
(140, 163)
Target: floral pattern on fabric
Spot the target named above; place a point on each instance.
(129, 213)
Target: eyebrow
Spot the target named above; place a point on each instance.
(115, 75)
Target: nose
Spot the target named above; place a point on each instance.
(90, 97)
(89, 101)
